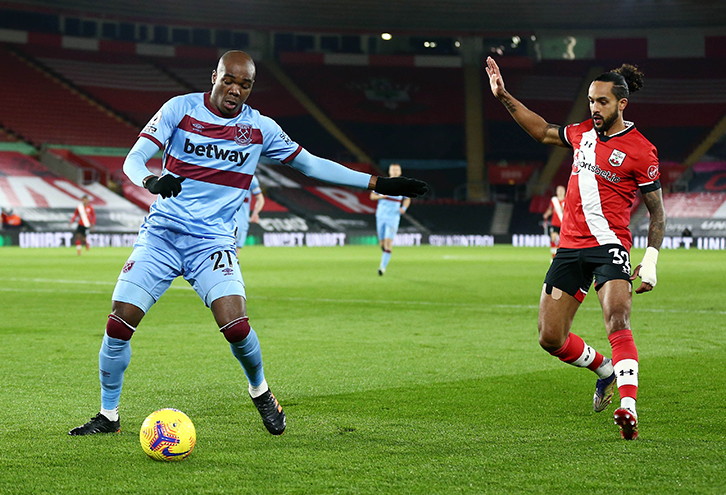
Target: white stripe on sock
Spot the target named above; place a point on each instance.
(586, 358)
(626, 371)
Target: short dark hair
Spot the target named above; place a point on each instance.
(626, 79)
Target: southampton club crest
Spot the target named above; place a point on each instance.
(616, 158)
(243, 134)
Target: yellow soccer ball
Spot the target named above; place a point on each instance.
(168, 435)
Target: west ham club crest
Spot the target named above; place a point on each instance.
(243, 136)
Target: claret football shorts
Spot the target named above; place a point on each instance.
(573, 270)
(159, 256)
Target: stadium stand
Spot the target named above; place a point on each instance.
(114, 165)
(125, 82)
(717, 151)
(447, 183)
(390, 112)
(701, 208)
(676, 108)
(92, 171)
(46, 201)
(298, 192)
(695, 205)
(455, 217)
(548, 88)
(525, 219)
(40, 109)
(708, 177)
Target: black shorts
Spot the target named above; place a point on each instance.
(553, 229)
(81, 230)
(572, 270)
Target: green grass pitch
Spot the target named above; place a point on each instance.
(428, 380)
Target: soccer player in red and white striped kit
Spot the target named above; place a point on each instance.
(86, 219)
(612, 161)
(556, 210)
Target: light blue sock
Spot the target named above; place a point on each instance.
(249, 356)
(113, 359)
(385, 258)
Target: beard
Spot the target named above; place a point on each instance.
(607, 123)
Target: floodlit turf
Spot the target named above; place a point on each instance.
(427, 380)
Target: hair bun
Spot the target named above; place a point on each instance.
(632, 75)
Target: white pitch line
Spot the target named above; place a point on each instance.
(345, 301)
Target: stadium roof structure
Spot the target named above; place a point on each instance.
(430, 16)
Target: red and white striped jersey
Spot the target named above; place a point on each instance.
(557, 211)
(86, 216)
(606, 173)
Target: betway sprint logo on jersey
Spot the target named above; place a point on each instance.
(214, 151)
(580, 163)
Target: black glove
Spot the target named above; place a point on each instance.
(167, 186)
(401, 186)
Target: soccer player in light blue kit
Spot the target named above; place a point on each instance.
(243, 216)
(388, 216)
(212, 143)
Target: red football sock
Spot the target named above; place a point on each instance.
(625, 362)
(577, 353)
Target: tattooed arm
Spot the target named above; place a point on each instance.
(656, 230)
(535, 125)
(646, 269)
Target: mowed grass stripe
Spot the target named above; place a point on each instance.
(326, 299)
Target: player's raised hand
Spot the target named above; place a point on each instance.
(400, 186)
(166, 186)
(495, 78)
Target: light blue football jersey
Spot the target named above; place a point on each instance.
(389, 207)
(217, 156)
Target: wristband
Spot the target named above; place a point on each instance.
(146, 179)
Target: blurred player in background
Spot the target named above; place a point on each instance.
(388, 216)
(555, 210)
(212, 143)
(10, 220)
(612, 161)
(86, 220)
(243, 217)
